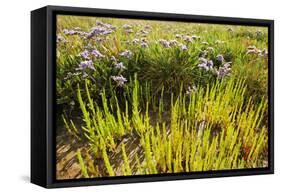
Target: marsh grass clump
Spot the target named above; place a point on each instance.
(211, 129)
(148, 97)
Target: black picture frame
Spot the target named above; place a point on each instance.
(43, 109)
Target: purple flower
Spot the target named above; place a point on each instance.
(96, 31)
(106, 32)
(173, 42)
(210, 64)
(97, 54)
(69, 32)
(164, 43)
(187, 38)
(223, 71)
(220, 58)
(86, 64)
(120, 66)
(204, 64)
(183, 47)
(127, 26)
(126, 53)
(129, 31)
(82, 34)
(85, 54)
(120, 80)
(203, 60)
(105, 25)
(101, 29)
(135, 41)
(144, 45)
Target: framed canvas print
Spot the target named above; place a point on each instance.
(126, 96)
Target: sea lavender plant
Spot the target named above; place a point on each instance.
(164, 43)
(69, 32)
(97, 54)
(136, 40)
(120, 66)
(85, 54)
(173, 42)
(187, 38)
(127, 26)
(205, 64)
(223, 71)
(220, 58)
(86, 64)
(120, 80)
(183, 47)
(126, 53)
(144, 44)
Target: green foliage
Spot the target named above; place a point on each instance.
(215, 129)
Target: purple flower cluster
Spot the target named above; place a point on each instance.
(120, 80)
(85, 54)
(223, 71)
(126, 53)
(129, 31)
(86, 64)
(187, 38)
(97, 30)
(164, 43)
(105, 25)
(183, 47)
(220, 58)
(120, 66)
(97, 54)
(205, 64)
(75, 31)
(254, 50)
(101, 29)
(144, 44)
(69, 31)
(171, 43)
(127, 26)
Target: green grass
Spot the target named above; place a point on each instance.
(212, 130)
